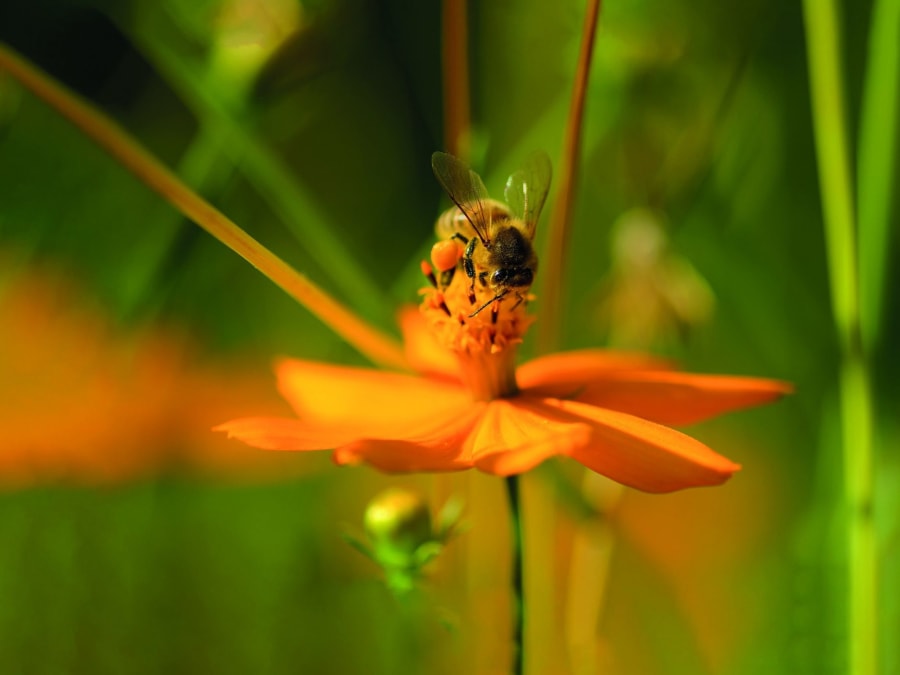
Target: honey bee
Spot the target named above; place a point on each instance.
(497, 237)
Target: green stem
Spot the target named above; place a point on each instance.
(857, 417)
(877, 162)
(518, 591)
(289, 198)
(862, 603)
(830, 127)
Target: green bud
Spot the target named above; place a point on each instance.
(398, 522)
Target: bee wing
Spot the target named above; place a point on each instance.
(467, 191)
(526, 190)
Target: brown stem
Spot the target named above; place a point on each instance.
(554, 265)
(454, 52)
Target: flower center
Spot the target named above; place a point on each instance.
(480, 328)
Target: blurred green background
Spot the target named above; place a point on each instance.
(136, 541)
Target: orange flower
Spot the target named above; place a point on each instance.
(82, 402)
(604, 409)
(470, 407)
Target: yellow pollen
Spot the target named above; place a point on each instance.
(484, 341)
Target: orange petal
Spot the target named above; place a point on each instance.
(580, 366)
(642, 454)
(516, 435)
(366, 403)
(423, 351)
(437, 446)
(275, 433)
(672, 397)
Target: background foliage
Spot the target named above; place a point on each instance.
(137, 542)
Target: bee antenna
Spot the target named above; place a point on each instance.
(499, 296)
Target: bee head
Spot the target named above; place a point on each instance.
(517, 277)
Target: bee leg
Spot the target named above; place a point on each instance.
(445, 256)
(521, 299)
(495, 314)
(469, 267)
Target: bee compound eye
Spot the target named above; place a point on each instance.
(499, 277)
(519, 278)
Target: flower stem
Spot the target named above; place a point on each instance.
(367, 339)
(877, 163)
(857, 415)
(455, 55)
(291, 201)
(518, 591)
(554, 266)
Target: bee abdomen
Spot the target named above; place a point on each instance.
(452, 220)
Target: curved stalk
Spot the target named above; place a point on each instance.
(567, 177)
(370, 342)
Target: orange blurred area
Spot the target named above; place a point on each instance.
(83, 401)
(706, 551)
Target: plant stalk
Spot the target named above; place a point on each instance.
(567, 178)
(516, 577)
(371, 342)
(857, 415)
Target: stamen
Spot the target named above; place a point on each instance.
(443, 305)
(483, 342)
(428, 271)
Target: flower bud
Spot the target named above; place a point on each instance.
(398, 522)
